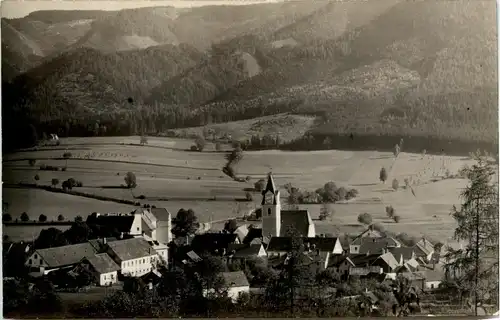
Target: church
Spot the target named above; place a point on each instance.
(276, 222)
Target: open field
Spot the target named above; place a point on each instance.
(171, 177)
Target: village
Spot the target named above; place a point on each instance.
(139, 245)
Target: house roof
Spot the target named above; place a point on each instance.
(360, 260)
(242, 232)
(66, 255)
(235, 279)
(321, 244)
(160, 213)
(433, 275)
(244, 250)
(337, 260)
(213, 241)
(270, 187)
(98, 244)
(122, 223)
(372, 247)
(412, 276)
(253, 233)
(412, 263)
(406, 252)
(371, 233)
(425, 246)
(102, 263)
(390, 260)
(298, 219)
(131, 249)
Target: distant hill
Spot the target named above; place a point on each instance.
(370, 67)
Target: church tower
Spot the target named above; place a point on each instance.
(271, 209)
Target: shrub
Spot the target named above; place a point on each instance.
(248, 178)
(78, 219)
(351, 194)
(6, 217)
(60, 217)
(390, 211)
(194, 148)
(37, 177)
(130, 180)
(55, 182)
(383, 175)
(142, 197)
(42, 218)
(25, 217)
(342, 193)
(396, 219)
(32, 162)
(63, 168)
(79, 184)
(395, 184)
(365, 218)
(200, 143)
(260, 185)
(249, 196)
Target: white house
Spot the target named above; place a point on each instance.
(104, 269)
(50, 259)
(236, 283)
(135, 256)
(275, 221)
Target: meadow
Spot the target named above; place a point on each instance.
(170, 176)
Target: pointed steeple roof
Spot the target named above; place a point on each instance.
(270, 186)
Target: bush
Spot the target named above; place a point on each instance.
(260, 185)
(130, 180)
(6, 217)
(365, 218)
(37, 177)
(63, 168)
(249, 196)
(248, 178)
(395, 184)
(79, 184)
(142, 197)
(194, 148)
(351, 194)
(396, 219)
(390, 211)
(383, 175)
(342, 193)
(200, 143)
(60, 217)
(32, 162)
(42, 218)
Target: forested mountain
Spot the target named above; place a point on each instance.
(383, 67)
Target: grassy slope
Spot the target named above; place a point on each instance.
(308, 170)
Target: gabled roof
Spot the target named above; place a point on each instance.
(160, 214)
(361, 260)
(129, 249)
(102, 263)
(212, 241)
(337, 260)
(121, 223)
(253, 233)
(425, 246)
(242, 232)
(99, 245)
(389, 259)
(235, 279)
(405, 252)
(321, 244)
(298, 219)
(367, 233)
(66, 255)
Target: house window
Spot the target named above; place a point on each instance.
(269, 211)
(137, 228)
(432, 285)
(112, 277)
(41, 261)
(30, 262)
(36, 257)
(143, 260)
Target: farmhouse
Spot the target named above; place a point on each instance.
(236, 283)
(276, 222)
(135, 256)
(50, 259)
(104, 269)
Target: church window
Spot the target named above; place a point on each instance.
(269, 211)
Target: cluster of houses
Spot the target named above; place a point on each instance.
(146, 241)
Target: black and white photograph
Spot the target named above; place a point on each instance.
(250, 159)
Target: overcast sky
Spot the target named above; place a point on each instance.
(21, 8)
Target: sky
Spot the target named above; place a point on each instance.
(21, 8)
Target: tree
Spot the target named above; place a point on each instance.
(37, 178)
(49, 238)
(383, 175)
(78, 219)
(405, 295)
(185, 223)
(42, 218)
(231, 225)
(260, 185)
(55, 182)
(200, 143)
(66, 156)
(6, 217)
(248, 196)
(326, 211)
(396, 218)
(390, 211)
(130, 180)
(327, 143)
(144, 140)
(32, 162)
(397, 149)
(60, 217)
(365, 218)
(475, 267)
(79, 232)
(218, 146)
(395, 184)
(25, 217)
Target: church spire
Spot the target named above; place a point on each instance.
(270, 184)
